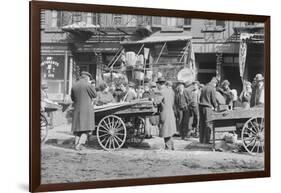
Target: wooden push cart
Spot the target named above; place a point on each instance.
(247, 123)
(120, 123)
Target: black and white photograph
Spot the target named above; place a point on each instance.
(137, 96)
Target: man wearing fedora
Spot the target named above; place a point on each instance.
(83, 121)
(167, 117)
(207, 104)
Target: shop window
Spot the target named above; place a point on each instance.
(76, 17)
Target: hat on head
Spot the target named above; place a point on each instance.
(225, 82)
(153, 84)
(86, 74)
(215, 80)
(131, 84)
(161, 80)
(188, 83)
(259, 77)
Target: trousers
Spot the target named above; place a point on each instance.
(205, 125)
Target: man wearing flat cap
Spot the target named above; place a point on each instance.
(167, 117)
(83, 121)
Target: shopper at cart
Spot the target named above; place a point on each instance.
(245, 96)
(104, 96)
(207, 105)
(225, 91)
(83, 121)
(167, 118)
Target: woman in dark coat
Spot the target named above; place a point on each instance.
(83, 120)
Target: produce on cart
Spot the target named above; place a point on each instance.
(252, 131)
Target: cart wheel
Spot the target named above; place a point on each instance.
(44, 128)
(111, 132)
(137, 132)
(253, 135)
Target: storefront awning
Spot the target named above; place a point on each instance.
(160, 37)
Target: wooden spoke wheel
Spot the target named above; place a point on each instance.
(137, 132)
(44, 128)
(253, 135)
(111, 132)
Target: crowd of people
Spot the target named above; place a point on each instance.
(185, 108)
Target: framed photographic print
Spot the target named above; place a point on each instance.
(123, 96)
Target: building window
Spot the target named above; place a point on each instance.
(156, 20)
(186, 22)
(42, 19)
(54, 19)
(89, 19)
(76, 17)
(95, 18)
(117, 19)
(220, 23)
(250, 23)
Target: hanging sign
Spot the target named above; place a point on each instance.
(52, 67)
(242, 57)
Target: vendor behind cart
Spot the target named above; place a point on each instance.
(104, 96)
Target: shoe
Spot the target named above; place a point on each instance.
(80, 147)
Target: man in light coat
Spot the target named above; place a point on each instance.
(259, 91)
(167, 117)
(83, 121)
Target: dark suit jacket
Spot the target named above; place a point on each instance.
(208, 96)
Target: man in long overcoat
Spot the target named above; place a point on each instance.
(207, 104)
(167, 117)
(83, 120)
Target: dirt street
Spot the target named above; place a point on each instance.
(60, 164)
